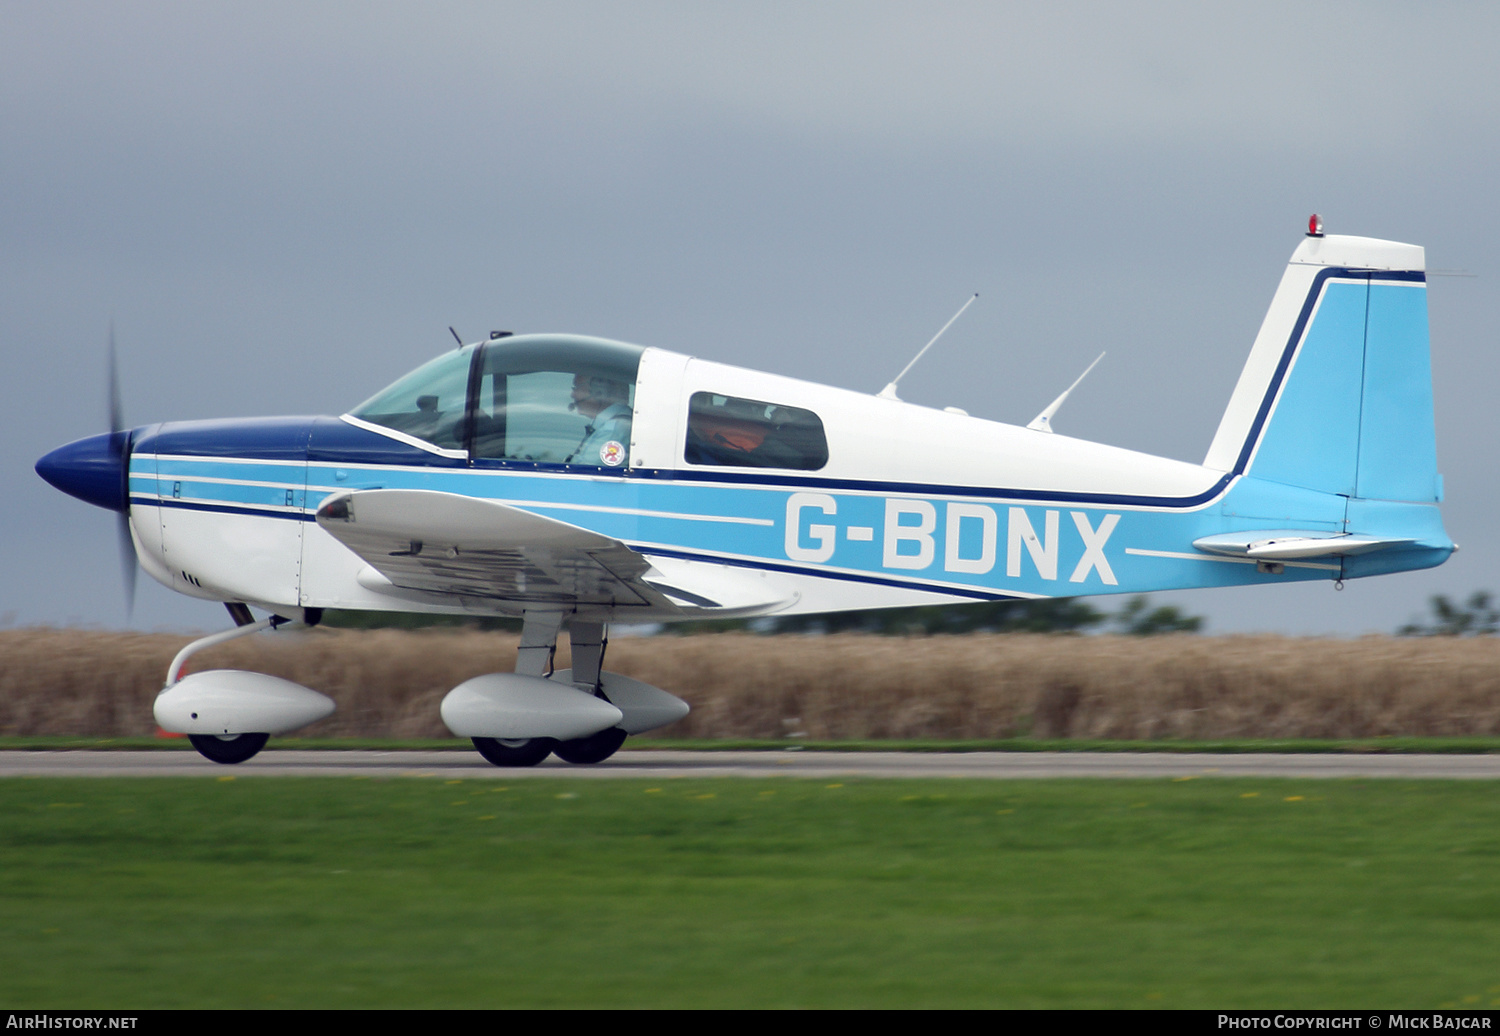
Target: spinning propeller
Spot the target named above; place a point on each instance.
(119, 445)
(97, 471)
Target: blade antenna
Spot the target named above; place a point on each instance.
(1043, 422)
(889, 392)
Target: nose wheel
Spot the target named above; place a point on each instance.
(228, 748)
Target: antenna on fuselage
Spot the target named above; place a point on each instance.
(889, 392)
(457, 339)
(1043, 422)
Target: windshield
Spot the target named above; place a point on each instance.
(536, 399)
(428, 403)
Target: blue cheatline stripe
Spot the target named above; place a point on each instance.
(932, 489)
(289, 514)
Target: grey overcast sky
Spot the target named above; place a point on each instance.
(282, 207)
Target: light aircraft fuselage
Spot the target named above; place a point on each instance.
(577, 482)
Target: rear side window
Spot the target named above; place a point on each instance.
(746, 433)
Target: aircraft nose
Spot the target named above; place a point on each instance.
(92, 469)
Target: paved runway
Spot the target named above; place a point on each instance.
(667, 764)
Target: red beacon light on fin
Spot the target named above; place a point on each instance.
(1314, 225)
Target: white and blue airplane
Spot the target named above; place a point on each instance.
(578, 482)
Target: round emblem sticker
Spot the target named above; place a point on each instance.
(612, 453)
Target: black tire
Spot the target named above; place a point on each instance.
(527, 752)
(592, 749)
(228, 750)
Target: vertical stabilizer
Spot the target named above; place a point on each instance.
(1336, 396)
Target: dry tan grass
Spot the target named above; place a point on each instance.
(388, 683)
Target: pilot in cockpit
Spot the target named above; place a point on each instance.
(605, 403)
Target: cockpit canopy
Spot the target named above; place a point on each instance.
(544, 399)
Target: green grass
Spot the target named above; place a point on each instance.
(1382, 745)
(162, 892)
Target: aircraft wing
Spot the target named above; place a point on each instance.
(430, 546)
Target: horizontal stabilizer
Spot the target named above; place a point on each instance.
(1290, 545)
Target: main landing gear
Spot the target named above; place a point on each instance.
(539, 632)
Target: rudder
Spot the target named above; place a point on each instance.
(1336, 396)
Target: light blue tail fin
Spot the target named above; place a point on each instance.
(1337, 394)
